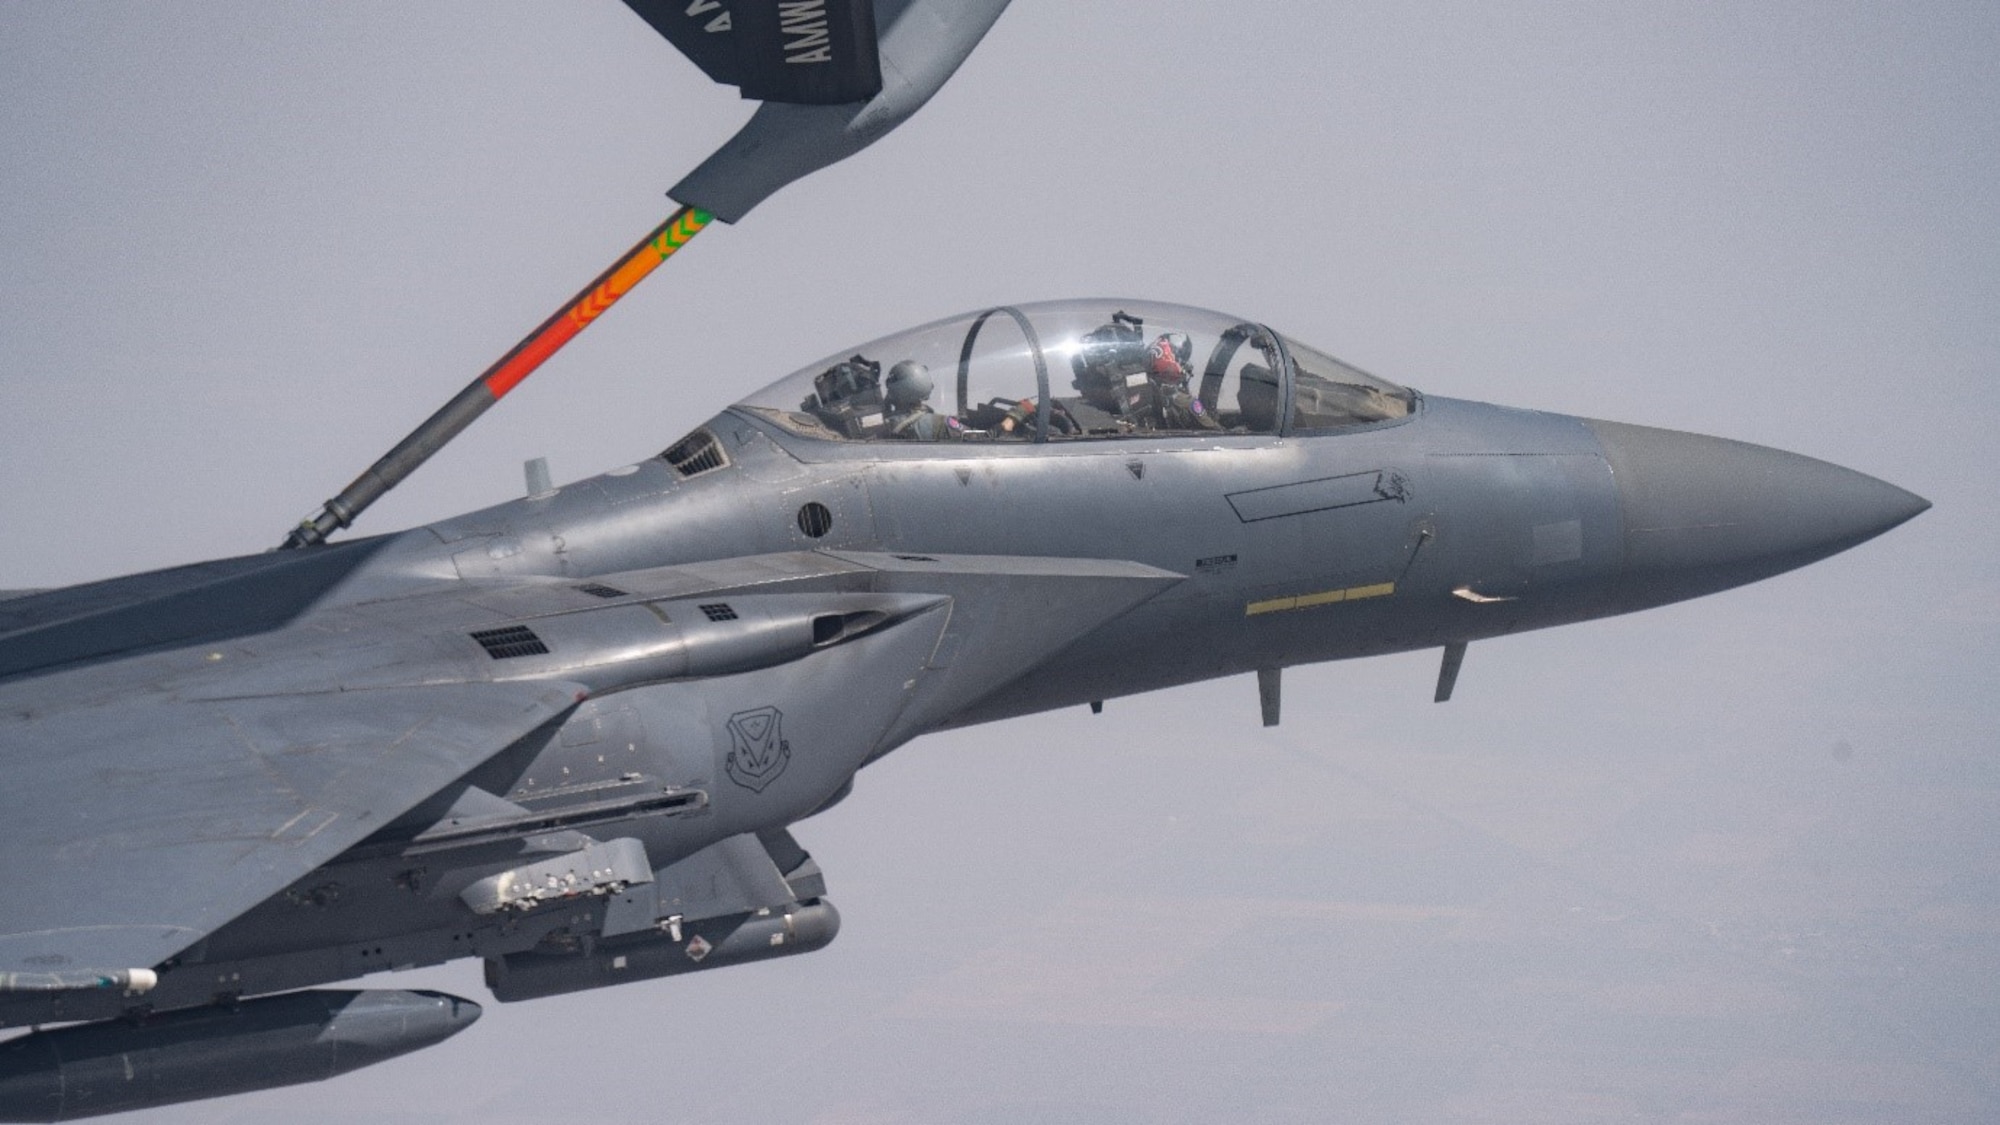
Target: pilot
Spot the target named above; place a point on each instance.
(908, 391)
(1172, 404)
(1145, 383)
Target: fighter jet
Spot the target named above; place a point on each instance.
(568, 735)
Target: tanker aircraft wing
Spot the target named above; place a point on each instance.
(807, 52)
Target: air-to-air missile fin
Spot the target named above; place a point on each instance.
(1454, 655)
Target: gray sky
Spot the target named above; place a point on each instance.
(1731, 861)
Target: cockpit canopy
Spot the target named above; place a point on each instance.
(1077, 370)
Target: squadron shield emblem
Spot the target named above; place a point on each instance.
(758, 751)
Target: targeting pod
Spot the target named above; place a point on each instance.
(710, 943)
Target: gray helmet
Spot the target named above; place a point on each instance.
(908, 385)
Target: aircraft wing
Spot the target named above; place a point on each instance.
(807, 52)
(150, 800)
(134, 827)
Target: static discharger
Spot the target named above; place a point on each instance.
(494, 383)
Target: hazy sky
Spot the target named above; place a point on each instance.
(1732, 861)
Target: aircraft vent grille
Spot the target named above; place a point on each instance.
(696, 454)
(718, 611)
(600, 590)
(514, 640)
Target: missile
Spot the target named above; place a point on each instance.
(113, 1066)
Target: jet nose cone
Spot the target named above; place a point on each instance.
(1704, 513)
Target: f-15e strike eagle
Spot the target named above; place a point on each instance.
(567, 735)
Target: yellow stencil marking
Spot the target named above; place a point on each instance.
(1324, 597)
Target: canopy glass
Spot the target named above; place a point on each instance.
(1076, 371)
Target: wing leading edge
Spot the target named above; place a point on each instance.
(146, 821)
(135, 828)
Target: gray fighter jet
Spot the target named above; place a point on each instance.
(568, 735)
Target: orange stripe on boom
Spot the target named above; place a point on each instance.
(591, 303)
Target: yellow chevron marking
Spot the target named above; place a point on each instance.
(684, 228)
(634, 268)
(1323, 597)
